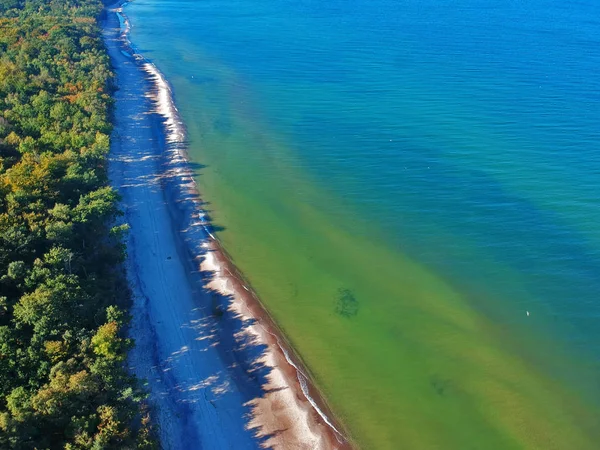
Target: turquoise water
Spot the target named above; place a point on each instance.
(461, 135)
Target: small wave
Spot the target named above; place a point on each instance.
(123, 21)
(303, 380)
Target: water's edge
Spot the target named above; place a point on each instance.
(187, 203)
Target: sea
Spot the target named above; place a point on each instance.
(412, 189)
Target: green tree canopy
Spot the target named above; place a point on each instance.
(63, 295)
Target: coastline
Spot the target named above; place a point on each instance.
(280, 407)
(434, 351)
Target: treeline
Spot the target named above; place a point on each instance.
(63, 295)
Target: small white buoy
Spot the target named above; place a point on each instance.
(527, 313)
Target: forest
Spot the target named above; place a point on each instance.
(63, 291)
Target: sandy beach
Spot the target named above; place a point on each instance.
(219, 373)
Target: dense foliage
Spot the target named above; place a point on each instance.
(62, 289)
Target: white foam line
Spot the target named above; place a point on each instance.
(165, 105)
(302, 379)
(167, 109)
(213, 265)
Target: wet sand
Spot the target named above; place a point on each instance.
(219, 372)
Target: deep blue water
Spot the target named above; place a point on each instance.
(464, 132)
(475, 121)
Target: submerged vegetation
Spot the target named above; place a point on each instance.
(63, 294)
(346, 305)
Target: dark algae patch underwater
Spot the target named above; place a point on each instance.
(346, 304)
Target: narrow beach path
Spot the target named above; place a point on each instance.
(192, 386)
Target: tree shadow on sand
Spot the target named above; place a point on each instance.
(217, 325)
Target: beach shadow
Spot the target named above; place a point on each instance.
(244, 356)
(214, 322)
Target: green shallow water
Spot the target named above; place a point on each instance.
(411, 352)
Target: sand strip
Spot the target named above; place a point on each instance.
(218, 369)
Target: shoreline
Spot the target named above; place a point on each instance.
(290, 412)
